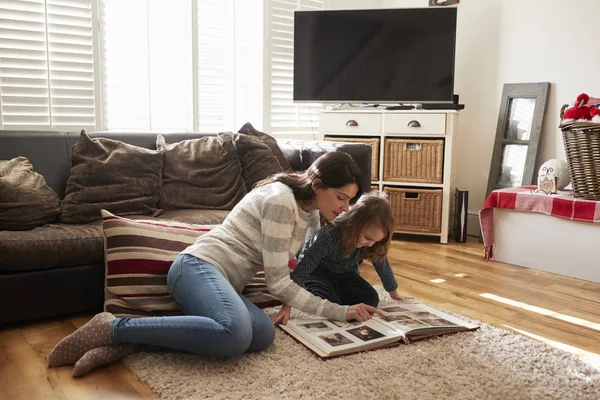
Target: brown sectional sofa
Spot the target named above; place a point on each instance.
(58, 269)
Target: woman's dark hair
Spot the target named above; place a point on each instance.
(335, 169)
(371, 208)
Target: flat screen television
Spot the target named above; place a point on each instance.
(375, 56)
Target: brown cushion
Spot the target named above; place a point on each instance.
(26, 201)
(60, 245)
(189, 216)
(112, 175)
(51, 246)
(201, 173)
(257, 160)
(270, 141)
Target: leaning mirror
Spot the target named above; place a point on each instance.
(520, 121)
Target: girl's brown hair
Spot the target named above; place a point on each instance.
(371, 208)
(334, 169)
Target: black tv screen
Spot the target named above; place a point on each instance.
(375, 56)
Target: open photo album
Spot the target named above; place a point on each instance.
(402, 324)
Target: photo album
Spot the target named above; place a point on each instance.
(402, 324)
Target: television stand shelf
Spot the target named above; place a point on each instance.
(412, 161)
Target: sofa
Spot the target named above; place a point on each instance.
(58, 269)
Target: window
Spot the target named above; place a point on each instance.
(157, 77)
(47, 65)
(147, 64)
(151, 65)
(230, 64)
(286, 118)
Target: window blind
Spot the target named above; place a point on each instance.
(47, 70)
(286, 118)
(229, 64)
(147, 64)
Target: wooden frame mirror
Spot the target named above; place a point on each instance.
(518, 132)
(520, 122)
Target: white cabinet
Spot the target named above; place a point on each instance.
(412, 161)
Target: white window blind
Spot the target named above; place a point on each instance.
(147, 63)
(229, 64)
(47, 65)
(286, 118)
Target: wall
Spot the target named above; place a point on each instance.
(551, 41)
(511, 41)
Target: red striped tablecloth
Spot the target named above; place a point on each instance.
(526, 198)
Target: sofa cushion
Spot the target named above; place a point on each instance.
(51, 246)
(256, 159)
(139, 254)
(26, 201)
(201, 173)
(113, 175)
(270, 141)
(202, 217)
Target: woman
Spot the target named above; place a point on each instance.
(264, 230)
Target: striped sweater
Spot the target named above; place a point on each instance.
(265, 230)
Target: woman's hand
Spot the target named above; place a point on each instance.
(283, 315)
(396, 296)
(362, 312)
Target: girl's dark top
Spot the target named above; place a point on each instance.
(325, 250)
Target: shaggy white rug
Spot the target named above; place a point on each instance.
(485, 364)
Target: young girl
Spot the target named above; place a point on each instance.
(329, 264)
(264, 230)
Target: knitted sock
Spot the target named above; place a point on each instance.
(93, 334)
(101, 356)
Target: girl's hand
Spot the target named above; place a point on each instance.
(396, 296)
(282, 316)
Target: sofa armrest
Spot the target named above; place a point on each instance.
(302, 153)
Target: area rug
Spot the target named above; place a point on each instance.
(488, 363)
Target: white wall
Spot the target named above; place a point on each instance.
(512, 41)
(551, 41)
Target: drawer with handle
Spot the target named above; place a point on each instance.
(432, 124)
(350, 123)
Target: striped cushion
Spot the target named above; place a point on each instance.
(138, 255)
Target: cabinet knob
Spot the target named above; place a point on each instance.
(414, 124)
(351, 122)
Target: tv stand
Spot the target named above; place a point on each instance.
(411, 160)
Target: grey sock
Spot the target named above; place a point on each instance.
(101, 356)
(93, 334)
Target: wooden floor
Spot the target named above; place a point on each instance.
(552, 308)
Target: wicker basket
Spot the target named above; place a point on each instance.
(582, 146)
(375, 188)
(413, 160)
(373, 142)
(416, 210)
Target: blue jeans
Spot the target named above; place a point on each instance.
(218, 322)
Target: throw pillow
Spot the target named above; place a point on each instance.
(138, 255)
(26, 201)
(256, 159)
(201, 173)
(112, 175)
(270, 141)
